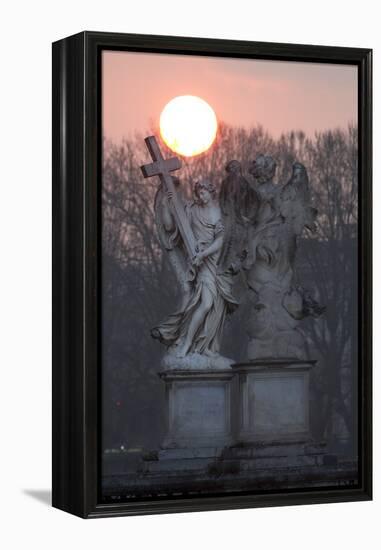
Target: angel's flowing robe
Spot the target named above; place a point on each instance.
(173, 330)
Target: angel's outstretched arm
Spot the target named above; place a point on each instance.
(214, 247)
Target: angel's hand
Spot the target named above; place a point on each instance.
(197, 259)
(169, 195)
(200, 246)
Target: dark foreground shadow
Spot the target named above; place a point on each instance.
(43, 495)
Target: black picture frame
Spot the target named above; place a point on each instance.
(76, 261)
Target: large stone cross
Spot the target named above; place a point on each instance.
(163, 167)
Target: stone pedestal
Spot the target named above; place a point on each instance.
(199, 425)
(274, 400)
(269, 416)
(198, 408)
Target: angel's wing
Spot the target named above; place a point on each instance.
(239, 204)
(172, 242)
(295, 200)
(233, 250)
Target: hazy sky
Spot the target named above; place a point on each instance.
(279, 95)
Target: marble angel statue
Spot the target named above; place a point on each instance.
(193, 333)
(278, 301)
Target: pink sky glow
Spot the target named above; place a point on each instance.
(279, 95)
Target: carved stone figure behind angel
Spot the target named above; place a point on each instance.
(196, 328)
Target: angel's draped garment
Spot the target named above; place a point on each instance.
(174, 329)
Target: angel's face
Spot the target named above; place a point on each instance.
(233, 167)
(204, 195)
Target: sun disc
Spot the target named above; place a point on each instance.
(188, 125)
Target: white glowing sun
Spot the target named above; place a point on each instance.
(188, 125)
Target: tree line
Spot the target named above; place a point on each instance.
(139, 287)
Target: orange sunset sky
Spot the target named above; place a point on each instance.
(279, 95)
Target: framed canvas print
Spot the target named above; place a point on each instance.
(211, 274)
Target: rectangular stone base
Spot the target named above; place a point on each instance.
(175, 462)
(274, 400)
(230, 474)
(276, 455)
(198, 408)
(238, 458)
